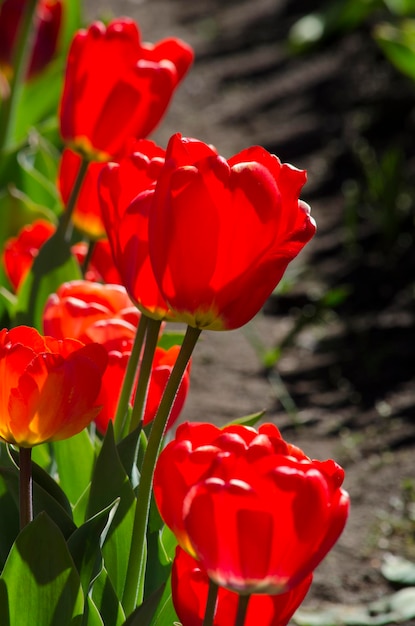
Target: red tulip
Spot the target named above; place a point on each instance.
(276, 512)
(20, 251)
(162, 365)
(101, 268)
(278, 518)
(196, 453)
(221, 233)
(125, 191)
(47, 27)
(117, 87)
(104, 314)
(79, 308)
(190, 582)
(87, 216)
(49, 387)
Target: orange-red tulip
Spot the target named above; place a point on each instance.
(189, 583)
(49, 387)
(104, 314)
(221, 233)
(117, 87)
(79, 308)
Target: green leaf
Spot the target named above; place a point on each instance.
(106, 600)
(401, 7)
(43, 587)
(72, 20)
(85, 546)
(398, 45)
(169, 339)
(41, 456)
(143, 614)
(110, 482)
(80, 508)
(38, 100)
(39, 172)
(75, 458)
(165, 613)
(9, 521)
(128, 452)
(91, 614)
(247, 420)
(167, 545)
(43, 501)
(44, 480)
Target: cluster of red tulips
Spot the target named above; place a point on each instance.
(154, 236)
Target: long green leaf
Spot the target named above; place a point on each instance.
(106, 600)
(75, 458)
(85, 546)
(43, 501)
(109, 482)
(43, 586)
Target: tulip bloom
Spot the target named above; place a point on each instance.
(49, 387)
(163, 363)
(189, 583)
(125, 191)
(104, 314)
(221, 233)
(79, 308)
(48, 23)
(21, 250)
(196, 452)
(101, 268)
(117, 87)
(277, 512)
(87, 216)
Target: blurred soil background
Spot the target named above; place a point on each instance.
(331, 358)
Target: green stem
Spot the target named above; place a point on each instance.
(242, 610)
(21, 57)
(211, 604)
(25, 486)
(153, 331)
(90, 251)
(64, 227)
(136, 569)
(128, 382)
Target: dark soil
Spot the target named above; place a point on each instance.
(344, 385)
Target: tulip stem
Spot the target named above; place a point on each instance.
(128, 382)
(25, 486)
(64, 227)
(21, 57)
(152, 335)
(136, 564)
(90, 251)
(242, 610)
(211, 604)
